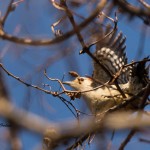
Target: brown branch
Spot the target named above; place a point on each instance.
(127, 101)
(78, 142)
(133, 131)
(13, 130)
(72, 94)
(77, 94)
(28, 41)
(127, 140)
(71, 18)
(9, 9)
(145, 4)
(58, 132)
(125, 66)
(144, 140)
(14, 139)
(30, 122)
(87, 51)
(57, 32)
(27, 84)
(68, 104)
(76, 29)
(132, 9)
(120, 120)
(145, 96)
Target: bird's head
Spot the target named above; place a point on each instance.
(80, 83)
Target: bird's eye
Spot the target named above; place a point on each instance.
(80, 80)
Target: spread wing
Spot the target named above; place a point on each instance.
(111, 53)
(139, 76)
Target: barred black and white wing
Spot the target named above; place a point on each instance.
(139, 76)
(111, 53)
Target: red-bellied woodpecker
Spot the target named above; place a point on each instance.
(110, 52)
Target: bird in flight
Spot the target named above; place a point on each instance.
(98, 91)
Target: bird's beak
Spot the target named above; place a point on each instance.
(67, 82)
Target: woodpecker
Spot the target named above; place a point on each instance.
(99, 96)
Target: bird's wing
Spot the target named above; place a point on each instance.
(111, 53)
(139, 76)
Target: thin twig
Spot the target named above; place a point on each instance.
(65, 102)
(132, 9)
(145, 96)
(28, 41)
(127, 140)
(27, 84)
(144, 140)
(78, 142)
(145, 4)
(9, 9)
(125, 66)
